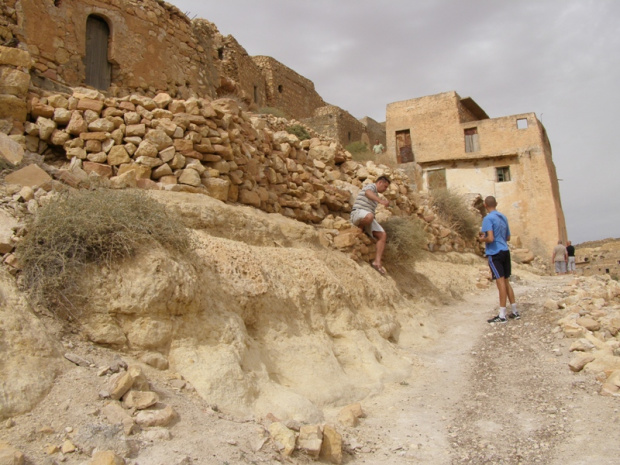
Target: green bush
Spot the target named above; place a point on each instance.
(90, 227)
(453, 209)
(272, 111)
(406, 239)
(299, 131)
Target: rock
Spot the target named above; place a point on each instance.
(67, 447)
(78, 360)
(581, 345)
(156, 360)
(283, 437)
(580, 361)
(310, 440)
(331, 449)
(9, 455)
(10, 150)
(31, 176)
(161, 417)
(106, 457)
(120, 384)
(349, 415)
(7, 224)
(589, 323)
(140, 399)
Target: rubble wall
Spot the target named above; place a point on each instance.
(336, 123)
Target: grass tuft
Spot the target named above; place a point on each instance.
(453, 209)
(81, 228)
(406, 239)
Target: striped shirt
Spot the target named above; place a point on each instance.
(364, 203)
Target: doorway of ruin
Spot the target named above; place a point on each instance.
(98, 68)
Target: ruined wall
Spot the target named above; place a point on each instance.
(336, 123)
(152, 45)
(239, 75)
(374, 131)
(287, 90)
(432, 123)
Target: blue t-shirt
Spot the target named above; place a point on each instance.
(497, 223)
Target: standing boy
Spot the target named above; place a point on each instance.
(495, 234)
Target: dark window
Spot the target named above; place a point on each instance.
(98, 68)
(280, 88)
(255, 94)
(472, 144)
(503, 174)
(521, 123)
(220, 53)
(349, 136)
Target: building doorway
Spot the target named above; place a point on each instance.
(98, 68)
(404, 152)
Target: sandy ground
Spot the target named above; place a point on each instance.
(480, 394)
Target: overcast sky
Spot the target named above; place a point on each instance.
(557, 58)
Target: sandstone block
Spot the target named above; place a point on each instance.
(31, 176)
(14, 82)
(589, 323)
(106, 457)
(162, 417)
(283, 437)
(580, 361)
(140, 399)
(190, 177)
(218, 188)
(331, 449)
(15, 57)
(350, 414)
(120, 385)
(118, 155)
(10, 150)
(90, 104)
(156, 360)
(310, 440)
(12, 107)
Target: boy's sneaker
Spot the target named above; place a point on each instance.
(497, 319)
(514, 316)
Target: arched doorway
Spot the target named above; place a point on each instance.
(98, 68)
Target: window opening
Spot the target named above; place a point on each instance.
(98, 68)
(255, 94)
(472, 143)
(220, 53)
(502, 174)
(521, 123)
(280, 88)
(349, 136)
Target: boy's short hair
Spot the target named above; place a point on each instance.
(383, 178)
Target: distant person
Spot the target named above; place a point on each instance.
(378, 148)
(559, 257)
(570, 251)
(495, 234)
(363, 216)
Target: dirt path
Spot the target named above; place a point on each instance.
(492, 394)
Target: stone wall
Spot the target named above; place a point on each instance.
(152, 45)
(287, 90)
(14, 83)
(374, 131)
(336, 123)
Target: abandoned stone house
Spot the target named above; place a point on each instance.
(148, 46)
(459, 147)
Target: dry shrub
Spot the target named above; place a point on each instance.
(453, 209)
(406, 239)
(81, 228)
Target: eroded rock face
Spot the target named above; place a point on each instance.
(30, 358)
(260, 328)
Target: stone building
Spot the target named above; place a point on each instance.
(459, 147)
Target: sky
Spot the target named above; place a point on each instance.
(559, 59)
